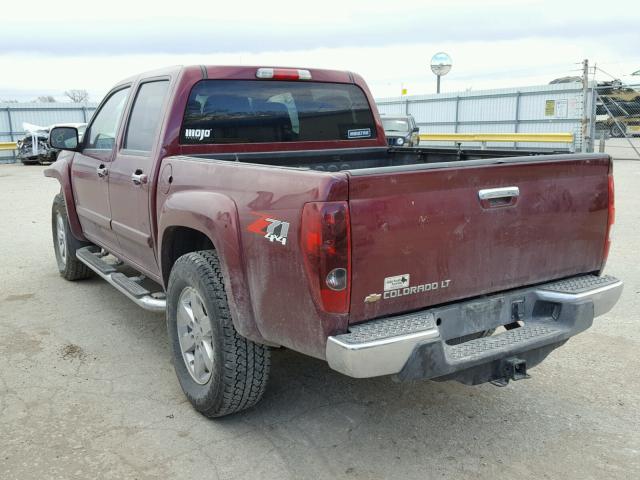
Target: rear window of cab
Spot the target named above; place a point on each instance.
(258, 111)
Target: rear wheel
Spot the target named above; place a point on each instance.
(617, 131)
(219, 371)
(65, 244)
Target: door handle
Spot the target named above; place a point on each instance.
(498, 197)
(138, 178)
(102, 171)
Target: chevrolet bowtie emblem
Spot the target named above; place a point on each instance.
(374, 297)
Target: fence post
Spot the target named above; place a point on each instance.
(13, 152)
(84, 113)
(592, 118)
(585, 116)
(517, 119)
(455, 126)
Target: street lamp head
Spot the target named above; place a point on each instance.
(441, 64)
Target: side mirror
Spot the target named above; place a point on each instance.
(415, 130)
(64, 138)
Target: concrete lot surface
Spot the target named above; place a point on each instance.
(623, 148)
(87, 389)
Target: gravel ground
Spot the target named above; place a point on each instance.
(87, 389)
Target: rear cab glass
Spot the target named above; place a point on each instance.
(258, 111)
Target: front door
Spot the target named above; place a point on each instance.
(90, 171)
(130, 176)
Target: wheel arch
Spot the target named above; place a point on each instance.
(195, 220)
(61, 171)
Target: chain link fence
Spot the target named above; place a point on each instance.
(617, 119)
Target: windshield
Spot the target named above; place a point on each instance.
(395, 125)
(251, 111)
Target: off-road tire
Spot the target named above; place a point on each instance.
(618, 131)
(70, 267)
(240, 367)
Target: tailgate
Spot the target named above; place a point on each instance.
(425, 237)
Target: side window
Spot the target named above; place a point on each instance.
(101, 134)
(145, 116)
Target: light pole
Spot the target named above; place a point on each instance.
(440, 65)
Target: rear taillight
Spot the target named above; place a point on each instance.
(326, 245)
(283, 74)
(611, 218)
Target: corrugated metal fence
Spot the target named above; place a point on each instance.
(12, 116)
(539, 109)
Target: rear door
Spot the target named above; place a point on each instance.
(131, 175)
(90, 170)
(435, 235)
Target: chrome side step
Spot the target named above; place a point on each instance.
(126, 285)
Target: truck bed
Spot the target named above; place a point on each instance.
(366, 158)
(419, 215)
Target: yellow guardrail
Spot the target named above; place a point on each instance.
(499, 137)
(8, 145)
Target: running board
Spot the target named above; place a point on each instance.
(127, 285)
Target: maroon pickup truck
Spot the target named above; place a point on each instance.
(262, 208)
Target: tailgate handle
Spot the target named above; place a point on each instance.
(503, 192)
(498, 197)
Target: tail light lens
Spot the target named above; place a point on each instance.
(612, 218)
(326, 244)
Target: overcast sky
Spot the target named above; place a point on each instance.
(50, 46)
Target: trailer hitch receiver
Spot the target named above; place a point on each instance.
(511, 369)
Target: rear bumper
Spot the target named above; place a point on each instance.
(428, 344)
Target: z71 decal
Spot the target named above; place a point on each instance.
(270, 228)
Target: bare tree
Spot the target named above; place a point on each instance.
(77, 96)
(46, 99)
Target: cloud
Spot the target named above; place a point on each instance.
(494, 43)
(207, 27)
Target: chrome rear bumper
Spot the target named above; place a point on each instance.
(417, 345)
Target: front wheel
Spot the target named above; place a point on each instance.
(65, 244)
(220, 371)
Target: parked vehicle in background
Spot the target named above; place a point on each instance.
(401, 130)
(34, 147)
(262, 207)
(617, 110)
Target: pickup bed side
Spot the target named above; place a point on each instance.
(223, 200)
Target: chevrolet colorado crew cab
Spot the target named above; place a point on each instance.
(262, 207)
